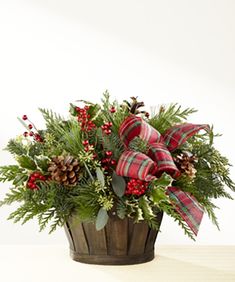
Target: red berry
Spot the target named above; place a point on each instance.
(85, 142)
(31, 133)
(107, 131)
(113, 162)
(25, 134)
(109, 124)
(32, 179)
(103, 127)
(30, 126)
(147, 115)
(112, 109)
(42, 177)
(108, 153)
(24, 117)
(33, 186)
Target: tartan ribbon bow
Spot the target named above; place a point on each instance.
(158, 160)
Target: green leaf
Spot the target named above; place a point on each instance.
(72, 110)
(100, 176)
(26, 162)
(158, 195)
(164, 181)
(102, 219)
(42, 162)
(119, 185)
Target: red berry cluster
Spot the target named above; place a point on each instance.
(36, 136)
(108, 162)
(31, 184)
(136, 187)
(106, 127)
(84, 118)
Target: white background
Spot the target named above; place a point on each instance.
(55, 52)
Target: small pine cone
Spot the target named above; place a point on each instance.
(185, 163)
(65, 170)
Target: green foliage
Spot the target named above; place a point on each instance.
(16, 147)
(10, 172)
(167, 117)
(71, 138)
(110, 142)
(55, 123)
(139, 145)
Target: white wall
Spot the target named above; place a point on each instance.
(54, 52)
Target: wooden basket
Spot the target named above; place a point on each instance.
(121, 242)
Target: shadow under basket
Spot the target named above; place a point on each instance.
(121, 242)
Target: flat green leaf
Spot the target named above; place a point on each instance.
(42, 162)
(164, 181)
(119, 185)
(26, 162)
(102, 219)
(158, 195)
(100, 176)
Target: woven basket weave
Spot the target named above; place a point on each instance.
(121, 242)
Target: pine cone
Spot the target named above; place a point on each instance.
(65, 170)
(185, 163)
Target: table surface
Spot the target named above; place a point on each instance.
(30, 263)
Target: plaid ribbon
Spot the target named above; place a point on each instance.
(158, 160)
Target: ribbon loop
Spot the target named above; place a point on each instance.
(136, 165)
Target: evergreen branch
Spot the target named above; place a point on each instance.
(167, 117)
(11, 173)
(16, 147)
(72, 139)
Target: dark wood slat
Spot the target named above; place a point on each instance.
(78, 236)
(153, 235)
(117, 236)
(96, 239)
(69, 236)
(138, 239)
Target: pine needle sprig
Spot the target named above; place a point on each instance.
(167, 117)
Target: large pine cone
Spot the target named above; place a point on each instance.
(185, 163)
(65, 170)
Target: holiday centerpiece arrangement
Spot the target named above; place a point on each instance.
(109, 172)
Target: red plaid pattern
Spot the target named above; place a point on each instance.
(179, 134)
(136, 165)
(158, 160)
(187, 206)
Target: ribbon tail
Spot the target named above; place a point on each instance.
(188, 208)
